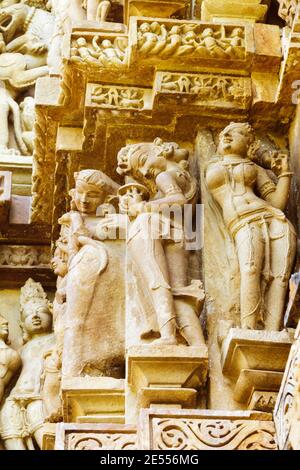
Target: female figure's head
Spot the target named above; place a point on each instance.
(236, 139)
(91, 189)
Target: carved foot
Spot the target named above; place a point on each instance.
(6, 151)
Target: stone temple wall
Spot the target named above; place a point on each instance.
(149, 224)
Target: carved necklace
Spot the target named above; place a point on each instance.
(230, 177)
(29, 18)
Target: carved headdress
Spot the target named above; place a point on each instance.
(33, 295)
(133, 156)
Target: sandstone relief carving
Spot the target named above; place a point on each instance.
(115, 97)
(91, 270)
(22, 255)
(105, 52)
(165, 40)
(162, 270)
(192, 434)
(53, 358)
(10, 361)
(22, 414)
(26, 33)
(252, 206)
(207, 88)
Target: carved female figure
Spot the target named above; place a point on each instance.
(155, 241)
(252, 208)
(93, 329)
(22, 415)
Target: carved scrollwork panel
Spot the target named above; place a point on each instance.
(201, 434)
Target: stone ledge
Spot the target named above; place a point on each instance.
(93, 399)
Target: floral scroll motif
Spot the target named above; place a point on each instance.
(205, 434)
(99, 441)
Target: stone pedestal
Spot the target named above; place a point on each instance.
(21, 168)
(155, 8)
(49, 430)
(93, 400)
(164, 375)
(255, 361)
(236, 10)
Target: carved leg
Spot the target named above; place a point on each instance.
(12, 426)
(28, 77)
(103, 10)
(177, 262)
(282, 254)
(14, 444)
(35, 420)
(17, 126)
(147, 252)
(188, 323)
(250, 251)
(91, 11)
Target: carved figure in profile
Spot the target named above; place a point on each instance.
(160, 262)
(10, 361)
(252, 208)
(22, 415)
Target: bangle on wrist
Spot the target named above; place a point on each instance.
(286, 173)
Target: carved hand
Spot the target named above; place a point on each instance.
(280, 163)
(37, 48)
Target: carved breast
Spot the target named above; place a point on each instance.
(220, 174)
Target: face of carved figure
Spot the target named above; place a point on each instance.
(37, 319)
(237, 33)
(145, 27)
(151, 166)
(81, 42)
(207, 33)
(106, 44)
(131, 197)
(88, 197)
(234, 140)
(59, 266)
(3, 329)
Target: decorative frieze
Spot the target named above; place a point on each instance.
(205, 430)
(95, 437)
(215, 91)
(24, 256)
(164, 41)
(99, 50)
(118, 97)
